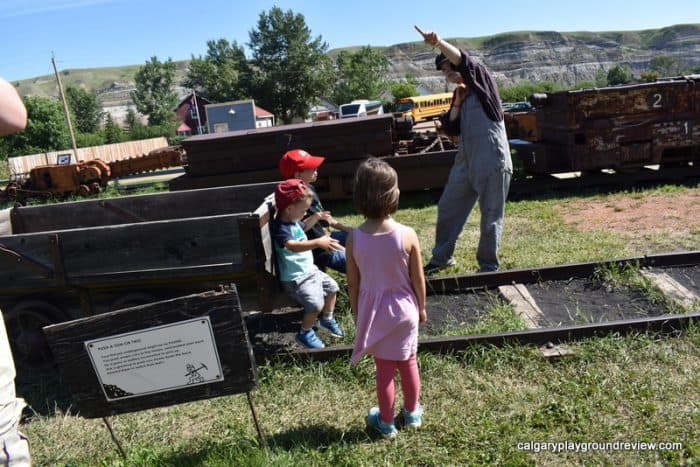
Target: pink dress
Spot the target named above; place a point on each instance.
(387, 308)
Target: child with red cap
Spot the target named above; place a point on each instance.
(301, 165)
(300, 277)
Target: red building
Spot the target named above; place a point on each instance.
(192, 117)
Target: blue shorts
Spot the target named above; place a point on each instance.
(311, 290)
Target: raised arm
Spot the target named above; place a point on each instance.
(451, 52)
(13, 114)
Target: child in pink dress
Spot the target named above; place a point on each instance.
(387, 294)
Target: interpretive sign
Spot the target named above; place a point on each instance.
(154, 355)
(158, 359)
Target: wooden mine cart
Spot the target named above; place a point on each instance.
(89, 257)
(622, 127)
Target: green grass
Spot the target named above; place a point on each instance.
(480, 403)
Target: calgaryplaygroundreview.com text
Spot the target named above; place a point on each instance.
(574, 446)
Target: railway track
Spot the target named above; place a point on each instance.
(555, 304)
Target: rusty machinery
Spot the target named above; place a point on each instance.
(89, 177)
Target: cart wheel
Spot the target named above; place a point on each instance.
(95, 188)
(24, 323)
(83, 190)
(130, 299)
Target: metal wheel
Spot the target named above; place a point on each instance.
(24, 322)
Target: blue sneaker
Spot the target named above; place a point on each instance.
(387, 430)
(309, 339)
(412, 419)
(331, 325)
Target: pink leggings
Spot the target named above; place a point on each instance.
(410, 385)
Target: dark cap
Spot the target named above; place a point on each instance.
(439, 60)
(287, 192)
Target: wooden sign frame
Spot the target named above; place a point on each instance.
(230, 337)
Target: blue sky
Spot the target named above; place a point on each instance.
(98, 33)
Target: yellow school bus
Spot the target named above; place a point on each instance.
(424, 107)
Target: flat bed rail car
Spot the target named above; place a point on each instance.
(90, 257)
(621, 127)
(252, 156)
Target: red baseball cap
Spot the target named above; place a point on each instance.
(296, 160)
(287, 192)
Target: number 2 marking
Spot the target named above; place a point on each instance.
(657, 101)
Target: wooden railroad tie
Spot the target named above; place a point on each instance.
(523, 303)
(673, 290)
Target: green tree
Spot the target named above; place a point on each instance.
(406, 88)
(46, 129)
(222, 75)
(524, 89)
(361, 75)
(290, 69)
(112, 132)
(619, 74)
(665, 66)
(85, 109)
(154, 94)
(84, 140)
(649, 76)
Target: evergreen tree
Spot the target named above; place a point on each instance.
(112, 132)
(290, 69)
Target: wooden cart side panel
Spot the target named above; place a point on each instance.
(139, 208)
(147, 251)
(262, 148)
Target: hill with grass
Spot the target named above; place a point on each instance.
(564, 57)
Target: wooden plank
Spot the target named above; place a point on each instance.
(523, 303)
(673, 289)
(67, 342)
(261, 149)
(140, 208)
(335, 178)
(144, 251)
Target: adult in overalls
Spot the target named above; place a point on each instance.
(482, 169)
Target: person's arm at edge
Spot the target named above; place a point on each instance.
(415, 271)
(352, 275)
(13, 114)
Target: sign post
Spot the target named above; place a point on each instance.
(155, 355)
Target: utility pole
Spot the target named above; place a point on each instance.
(196, 110)
(65, 109)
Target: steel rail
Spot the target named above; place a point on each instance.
(540, 336)
(448, 284)
(444, 345)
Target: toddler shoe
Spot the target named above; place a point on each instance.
(387, 430)
(331, 325)
(413, 419)
(309, 339)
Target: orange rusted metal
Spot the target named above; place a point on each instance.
(89, 177)
(621, 127)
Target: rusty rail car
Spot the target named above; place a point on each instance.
(69, 260)
(622, 128)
